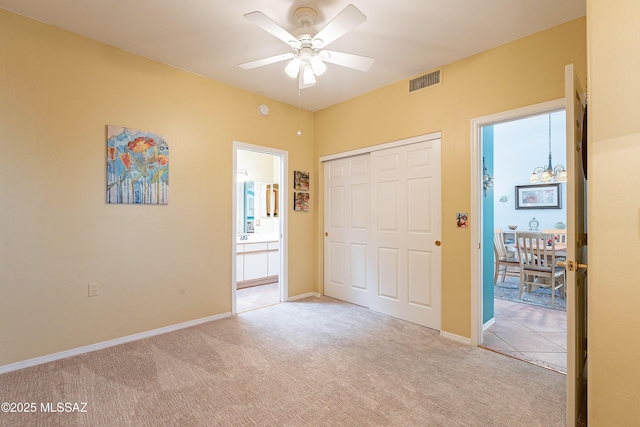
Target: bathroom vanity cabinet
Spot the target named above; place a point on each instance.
(257, 263)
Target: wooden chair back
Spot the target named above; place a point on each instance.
(505, 261)
(537, 256)
(498, 244)
(560, 235)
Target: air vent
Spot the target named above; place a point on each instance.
(424, 81)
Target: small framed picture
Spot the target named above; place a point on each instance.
(301, 180)
(301, 201)
(540, 196)
(462, 219)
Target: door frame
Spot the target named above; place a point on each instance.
(283, 209)
(477, 200)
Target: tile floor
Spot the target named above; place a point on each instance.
(257, 296)
(529, 332)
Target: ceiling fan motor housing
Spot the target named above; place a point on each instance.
(305, 16)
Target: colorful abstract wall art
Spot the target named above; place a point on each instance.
(301, 201)
(137, 167)
(300, 180)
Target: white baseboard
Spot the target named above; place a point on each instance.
(105, 344)
(460, 339)
(302, 296)
(489, 324)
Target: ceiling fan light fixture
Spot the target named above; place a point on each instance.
(308, 78)
(293, 67)
(317, 65)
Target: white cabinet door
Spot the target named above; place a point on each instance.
(239, 267)
(273, 259)
(239, 263)
(255, 261)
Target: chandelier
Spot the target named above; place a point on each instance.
(549, 173)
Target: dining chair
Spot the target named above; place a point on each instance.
(505, 261)
(538, 268)
(560, 233)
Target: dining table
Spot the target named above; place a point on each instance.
(560, 248)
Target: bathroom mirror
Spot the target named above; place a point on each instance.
(249, 206)
(258, 195)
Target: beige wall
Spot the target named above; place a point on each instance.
(521, 73)
(614, 216)
(161, 265)
(156, 265)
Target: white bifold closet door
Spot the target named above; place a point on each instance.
(382, 225)
(347, 233)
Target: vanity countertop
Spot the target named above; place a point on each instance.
(258, 238)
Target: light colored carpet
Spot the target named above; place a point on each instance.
(315, 362)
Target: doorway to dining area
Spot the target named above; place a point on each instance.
(517, 198)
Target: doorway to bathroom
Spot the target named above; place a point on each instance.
(259, 227)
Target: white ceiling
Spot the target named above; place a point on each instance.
(210, 37)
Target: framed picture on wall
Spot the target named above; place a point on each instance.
(538, 196)
(301, 201)
(137, 167)
(301, 180)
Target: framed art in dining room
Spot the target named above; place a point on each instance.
(538, 196)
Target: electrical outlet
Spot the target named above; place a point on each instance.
(93, 289)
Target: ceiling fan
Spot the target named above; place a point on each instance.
(309, 56)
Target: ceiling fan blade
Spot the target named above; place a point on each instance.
(345, 21)
(266, 61)
(362, 63)
(264, 22)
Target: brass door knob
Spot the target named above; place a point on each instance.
(438, 243)
(326, 234)
(572, 265)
